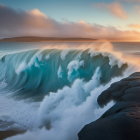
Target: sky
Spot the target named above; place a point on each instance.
(72, 18)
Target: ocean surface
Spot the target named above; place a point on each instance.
(50, 89)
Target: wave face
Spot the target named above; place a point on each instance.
(52, 93)
(36, 73)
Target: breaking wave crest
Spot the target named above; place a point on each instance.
(36, 73)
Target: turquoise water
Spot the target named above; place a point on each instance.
(35, 73)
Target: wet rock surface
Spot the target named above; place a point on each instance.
(122, 121)
(4, 133)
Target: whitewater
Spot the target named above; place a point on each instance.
(50, 90)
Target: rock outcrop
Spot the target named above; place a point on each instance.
(122, 121)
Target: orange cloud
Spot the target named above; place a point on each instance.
(135, 26)
(35, 23)
(37, 12)
(132, 1)
(115, 9)
(137, 9)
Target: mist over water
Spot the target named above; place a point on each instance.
(50, 90)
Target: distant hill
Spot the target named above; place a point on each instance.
(42, 39)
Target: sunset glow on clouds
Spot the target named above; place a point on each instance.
(37, 12)
(34, 22)
(136, 26)
(114, 8)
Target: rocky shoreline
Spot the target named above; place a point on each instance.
(9, 133)
(122, 121)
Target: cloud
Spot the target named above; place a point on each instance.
(132, 1)
(37, 12)
(134, 26)
(36, 23)
(114, 8)
(137, 9)
(117, 10)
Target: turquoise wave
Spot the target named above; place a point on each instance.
(36, 73)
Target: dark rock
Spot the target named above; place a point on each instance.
(122, 121)
(118, 90)
(10, 132)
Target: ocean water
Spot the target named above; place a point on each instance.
(50, 90)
